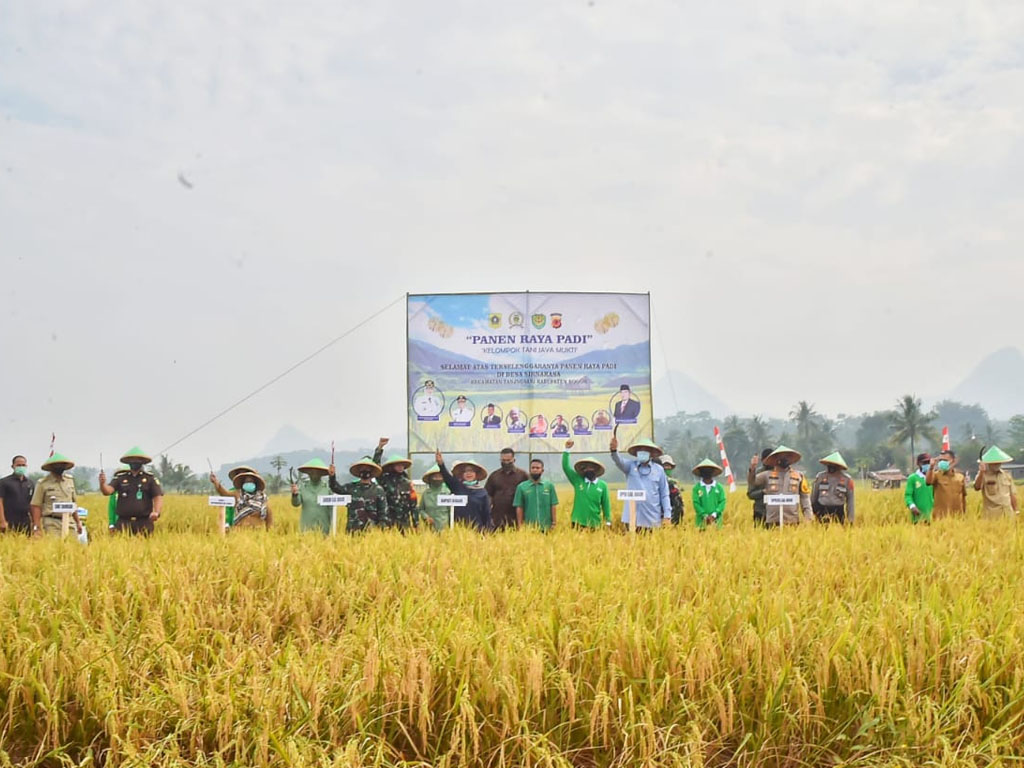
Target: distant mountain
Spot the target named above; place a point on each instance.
(689, 396)
(996, 384)
(289, 438)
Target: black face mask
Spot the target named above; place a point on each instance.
(706, 476)
(783, 463)
(591, 475)
(535, 475)
(135, 466)
(366, 474)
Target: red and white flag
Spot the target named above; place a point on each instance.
(945, 438)
(725, 461)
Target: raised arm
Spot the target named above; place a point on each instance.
(570, 473)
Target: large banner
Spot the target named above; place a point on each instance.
(528, 371)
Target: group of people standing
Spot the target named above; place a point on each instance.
(938, 489)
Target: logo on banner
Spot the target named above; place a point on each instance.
(495, 320)
(556, 319)
(539, 321)
(515, 320)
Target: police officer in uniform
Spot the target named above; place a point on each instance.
(140, 498)
(401, 495)
(369, 505)
(832, 494)
(781, 477)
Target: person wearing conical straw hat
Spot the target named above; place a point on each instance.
(466, 479)
(313, 516)
(918, 496)
(591, 502)
(708, 495)
(643, 474)
(431, 511)
(781, 478)
(369, 504)
(832, 496)
(252, 506)
(140, 498)
(398, 487)
(55, 488)
(949, 486)
(998, 492)
(675, 488)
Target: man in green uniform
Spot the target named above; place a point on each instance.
(591, 502)
(398, 487)
(782, 478)
(369, 505)
(998, 492)
(832, 494)
(140, 498)
(313, 516)
(708, 495)
(431, 511)
(918, 495)
(52, 489)
(536, 501)
(675, 489)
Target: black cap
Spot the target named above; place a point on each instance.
(923, 457)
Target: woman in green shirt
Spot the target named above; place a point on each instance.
(591, 503)
(313, 517)
(429, 509)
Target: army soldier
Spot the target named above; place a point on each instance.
(948, 485)
(16, 498)
(708, 495)
(369, 505)
(998, 493)
(139, 495)
(918, 495)
(782, 478)
(832, 494)
(756, 495)
(398, 487)
(313, 517)
(52, 489)
(675, 489)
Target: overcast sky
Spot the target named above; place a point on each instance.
(852, 169)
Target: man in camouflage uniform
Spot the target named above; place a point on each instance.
(782, 478)
(369, 505)
(832, 494)
(398, 488)
(675, 489)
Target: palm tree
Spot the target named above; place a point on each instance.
(911, 422)
(806, 420)
(759, 432)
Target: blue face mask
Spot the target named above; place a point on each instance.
(944, 466)
(20, 471)
(643, 456)
(925, 467)
(249, 487)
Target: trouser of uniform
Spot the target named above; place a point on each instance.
(53, 525)
(134, 526)
(758, 515)
(830, 514)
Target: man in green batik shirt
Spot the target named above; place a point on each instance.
(591, 504)
(313, 516)
(429, 508)
(919, 496)
(535, 500)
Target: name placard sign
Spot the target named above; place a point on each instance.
(334, 501)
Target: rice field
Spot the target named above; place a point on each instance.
(886, 644)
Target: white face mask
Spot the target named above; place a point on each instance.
(643, 456)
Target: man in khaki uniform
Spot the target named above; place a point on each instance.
(782, 478)
(998, 492)
(832, 495)
(950, 486)
(53, 489)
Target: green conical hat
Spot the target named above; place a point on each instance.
(314, 466)
(366, 462)
(649, 445)
(57, 458)
(708, 464)
(794, 456)
(996, 455)
(136, 453)
(835, 458)
(434, 470)
(589, 461)
(394, 459)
